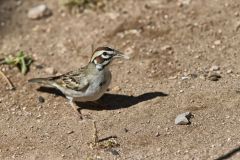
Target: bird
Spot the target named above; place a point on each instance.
(88, 83)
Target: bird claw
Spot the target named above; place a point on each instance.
(83, 116)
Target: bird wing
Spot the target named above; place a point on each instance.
(75, 80)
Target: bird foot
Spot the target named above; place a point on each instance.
(79, 113)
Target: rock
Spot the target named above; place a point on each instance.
(172, 77)
(39, 12)
(214, 77)
(70, 132)
(183, 119)
(50, 70)
(237, 26)
(217, 42)
(41, 99)
(229, 71)
(214, 68)
(185, 78)
(184, 2)
(236, 14)
(166, 48)
(133, 31)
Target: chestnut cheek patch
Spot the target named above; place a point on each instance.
(99, 60)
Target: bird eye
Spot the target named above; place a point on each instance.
(104, 53)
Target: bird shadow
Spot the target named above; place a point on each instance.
(51, 90)
(110, 101)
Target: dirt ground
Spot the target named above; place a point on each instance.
(172, 48)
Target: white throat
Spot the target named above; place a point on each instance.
(99, 67)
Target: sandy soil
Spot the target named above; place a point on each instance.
(172, 49)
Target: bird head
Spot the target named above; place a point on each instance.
(103, 56)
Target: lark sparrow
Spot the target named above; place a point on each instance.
(87, 83)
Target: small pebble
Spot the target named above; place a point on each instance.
(166, 47)
(236, 14)
(217, 42)
(172, 77)
(184, 2)
(70, 132)
(39, 12)
(214, 68)
(157, 134)
(183, 119)
(229, 71)
(214, 77)
(185, 78)
(41, 99)
(237, 26)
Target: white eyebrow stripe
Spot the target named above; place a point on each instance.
(105, 56)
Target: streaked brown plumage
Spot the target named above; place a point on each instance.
(87, 83)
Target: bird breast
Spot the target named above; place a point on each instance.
(98, 84)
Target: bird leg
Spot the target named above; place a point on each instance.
(78, 109)
(75, 107)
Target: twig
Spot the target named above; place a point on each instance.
(107, 138)
(11, 86)
(95, 133)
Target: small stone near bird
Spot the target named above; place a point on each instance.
(214, 77)
(39, 12)
(41, 99)
(214, 68)
(183, 119)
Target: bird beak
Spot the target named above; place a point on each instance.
(120, 55)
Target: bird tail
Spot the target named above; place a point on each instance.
(44, 81)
